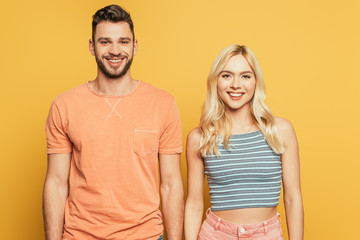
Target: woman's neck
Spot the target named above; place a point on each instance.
(243, 120)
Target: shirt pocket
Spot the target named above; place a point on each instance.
(145, 142)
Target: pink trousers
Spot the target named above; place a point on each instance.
(215, 228)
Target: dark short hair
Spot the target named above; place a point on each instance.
(112, 13)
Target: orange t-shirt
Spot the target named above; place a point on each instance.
(115, 142)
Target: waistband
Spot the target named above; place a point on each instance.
(238, 229)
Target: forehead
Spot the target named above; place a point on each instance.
(237, 63)
(116, 30)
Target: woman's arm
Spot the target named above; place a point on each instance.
(291, 181)
(194, 206)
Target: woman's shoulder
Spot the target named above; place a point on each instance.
(193, 143)
(194, 135)
(285, 127)
(283, 123)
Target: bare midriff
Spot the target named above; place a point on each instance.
(247, 215)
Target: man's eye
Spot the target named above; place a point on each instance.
(104, 42)
(124, 42)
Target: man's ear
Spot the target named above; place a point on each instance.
(91, 47)
(135, 46)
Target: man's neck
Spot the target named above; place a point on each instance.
(113, 86)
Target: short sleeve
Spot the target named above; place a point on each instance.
(57, 139)
(171, 138)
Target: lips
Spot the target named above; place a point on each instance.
(235, 95)
(114, 62)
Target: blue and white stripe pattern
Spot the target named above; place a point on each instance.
(246, 176)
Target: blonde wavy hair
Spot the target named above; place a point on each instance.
(216, 124)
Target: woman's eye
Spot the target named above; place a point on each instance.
(246, 76)
(226, 76)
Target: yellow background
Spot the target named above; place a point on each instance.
(308, 51)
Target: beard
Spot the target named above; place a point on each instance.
(107, 71)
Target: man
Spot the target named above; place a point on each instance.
(104, 140)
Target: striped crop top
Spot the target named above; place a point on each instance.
(246, 176)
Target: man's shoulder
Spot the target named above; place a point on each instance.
(155, 93)
(72, 94)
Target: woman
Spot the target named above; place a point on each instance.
(245, 152)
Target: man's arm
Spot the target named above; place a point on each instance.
(172, 195)
(55, 194)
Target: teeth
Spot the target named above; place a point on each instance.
(236, 94)
(115, 61)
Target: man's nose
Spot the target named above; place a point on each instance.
(115, 49)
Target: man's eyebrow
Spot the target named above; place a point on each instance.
(125, 38)
(109, 39)
(103, 38)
